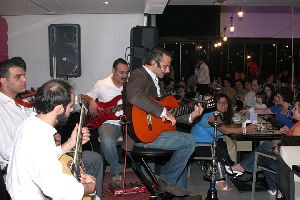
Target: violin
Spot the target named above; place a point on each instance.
(27, 98)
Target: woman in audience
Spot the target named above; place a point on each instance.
(203, 131)
(269, 90)
(268, 146)
(283, 100)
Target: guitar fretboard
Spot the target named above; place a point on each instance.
(190, 107)
(182, 110)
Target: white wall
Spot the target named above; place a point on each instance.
(104, 38)
(268, 25)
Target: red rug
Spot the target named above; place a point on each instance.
(130, 178)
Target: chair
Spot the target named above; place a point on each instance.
(138, 156)
(285, 179)
(257, 167)
(204, 145)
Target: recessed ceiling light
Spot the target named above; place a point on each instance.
(106, 2)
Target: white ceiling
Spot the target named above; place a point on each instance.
(44, 7)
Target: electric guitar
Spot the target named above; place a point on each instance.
(108, 113)
(147, 127)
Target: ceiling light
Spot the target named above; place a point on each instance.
(231, 24)
(219, 44)
(106, 2)
(216, 45)
(219, 2)
(240, 13)
(224, 35)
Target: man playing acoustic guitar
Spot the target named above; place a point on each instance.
(142, 87)
(106, 111)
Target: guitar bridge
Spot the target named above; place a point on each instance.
(149, 122)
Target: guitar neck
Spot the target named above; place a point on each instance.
(190, 107)
(182, 110)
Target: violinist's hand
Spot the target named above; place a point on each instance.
(197, 111)
(169, 117)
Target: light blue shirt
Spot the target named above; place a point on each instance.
(204, 132)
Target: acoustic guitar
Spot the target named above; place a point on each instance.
(108, 113)
(72, 161)
(147, 127)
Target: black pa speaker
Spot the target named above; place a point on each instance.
(142, 39)
(64, 50)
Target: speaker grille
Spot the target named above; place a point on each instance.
(142, 39)
(64, 50)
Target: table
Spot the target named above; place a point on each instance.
(257, 137)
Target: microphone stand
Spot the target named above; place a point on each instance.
(212, 191)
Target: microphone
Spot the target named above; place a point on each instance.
(124, 120)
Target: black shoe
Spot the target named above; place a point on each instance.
(172, 189)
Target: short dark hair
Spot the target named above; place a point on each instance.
(156, 54)
(119, 61)
(13, 62)
(286, 93)
(51, 94)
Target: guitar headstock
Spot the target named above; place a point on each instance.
(208, 102)
(79, 100)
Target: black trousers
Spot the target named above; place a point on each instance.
(3, 192)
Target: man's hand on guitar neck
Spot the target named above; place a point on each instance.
(67, 146)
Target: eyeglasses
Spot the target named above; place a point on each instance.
(222, 102)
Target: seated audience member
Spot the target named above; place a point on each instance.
(240, 94)
(169, 86)
(269, 90)
(181, 97)
(34, 170)
(284, 78)
(260, 98)
(250, 96)
(227, 89)
(247, 164)
(283, 99)
(203, 131)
